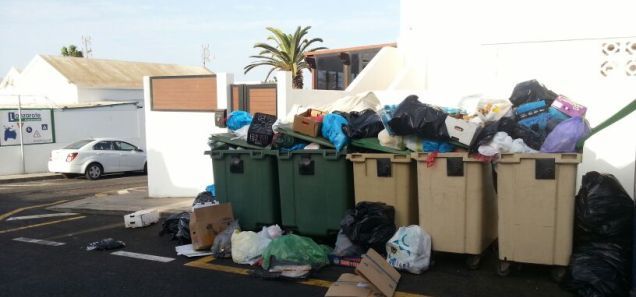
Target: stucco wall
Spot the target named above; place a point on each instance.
(176, 142)
(100, 94)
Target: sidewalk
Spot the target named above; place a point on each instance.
(125, 203)
(18, 178)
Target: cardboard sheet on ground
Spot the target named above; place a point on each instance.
(206, 222)
(375, 277)
(188, 251)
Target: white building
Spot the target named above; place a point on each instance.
(85, 97)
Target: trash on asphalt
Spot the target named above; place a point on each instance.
(188, 251)
(222, 245)
(248, 246)
(141, 218)
(106, 244)
(295, 250)
(178, 227)
(410, 249)
(369, 225)
(600, 264)
(208, 221)
(204, 197)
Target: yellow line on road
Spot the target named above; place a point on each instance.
(8, 214)
(40, 225)
(204, 263)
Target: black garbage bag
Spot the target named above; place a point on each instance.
(363, 124)
(598, 270)
(603, 210)
(370, 225)
(178, 226)
(531, 91)
(106, 244)
(413, 117)
(203, 197)
(533, 139)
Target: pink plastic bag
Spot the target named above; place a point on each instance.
(565, 135)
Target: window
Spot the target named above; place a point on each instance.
(125, 146)
(103, 146)
(78, 144)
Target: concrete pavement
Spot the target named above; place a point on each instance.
(17, 178)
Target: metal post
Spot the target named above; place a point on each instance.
(20, 128)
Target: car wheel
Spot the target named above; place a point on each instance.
(94, 171)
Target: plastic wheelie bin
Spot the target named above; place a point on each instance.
(536, 209)
(315, 190)
(249, 180)
(388, 178)
(457, 203)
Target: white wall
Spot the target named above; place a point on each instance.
(287, 96)
(479, 49)
(71, 125)
(176, 142)
(100, 94)
(45, 82)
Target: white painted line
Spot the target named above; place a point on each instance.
(39, 241)
(143, 256)
(122, 192)
(48, 215)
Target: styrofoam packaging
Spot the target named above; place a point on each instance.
(141, 218)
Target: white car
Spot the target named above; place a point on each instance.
(94, 157)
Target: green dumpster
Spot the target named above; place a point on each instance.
(249, 180)
(316, 188)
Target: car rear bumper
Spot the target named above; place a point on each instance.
(64, 167)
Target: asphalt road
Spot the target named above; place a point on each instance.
(67, 269)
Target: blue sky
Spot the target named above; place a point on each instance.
(173, 31)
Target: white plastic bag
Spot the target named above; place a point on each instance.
(409, 249)
(241, 133)
(502, 143)
(395, 142)
(247, 246)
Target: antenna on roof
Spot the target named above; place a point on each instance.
(205, 55)
(86, 46)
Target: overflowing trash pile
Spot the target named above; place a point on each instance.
(534, 119)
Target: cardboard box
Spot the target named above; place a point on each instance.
(462, 131)
(305, 124)
(141, 218)
(208, 221)
(351, 285)
(382, 276)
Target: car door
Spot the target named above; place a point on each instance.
(131, 159)
(107, 155)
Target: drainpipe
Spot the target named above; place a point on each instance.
(20, 128)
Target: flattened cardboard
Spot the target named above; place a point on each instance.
(379, 273)
(351, 285)
(208, 221)
(461, 131)
(304, 124)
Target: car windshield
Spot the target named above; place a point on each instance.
(78, 144)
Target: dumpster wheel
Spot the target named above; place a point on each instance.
(473, 261)
(503, 267)
(557, 273)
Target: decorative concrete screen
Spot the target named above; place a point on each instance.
(183, 93)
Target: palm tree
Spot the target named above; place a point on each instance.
(286, 54)
(71, 51)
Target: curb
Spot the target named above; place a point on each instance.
(162, 214)
(30, 178)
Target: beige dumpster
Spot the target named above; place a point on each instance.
(388, 178)
(536, 209)
(457, 204)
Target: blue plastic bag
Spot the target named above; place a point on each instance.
(565, 135)
(211, 189)
(238, 119)
(332, 129)
(437, 146)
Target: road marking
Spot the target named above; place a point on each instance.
(48, 215)
(39, 241)
(8, 214)
(143, 256)
(204, 263)
(100, 228)
(41, 224)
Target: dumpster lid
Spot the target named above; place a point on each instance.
(228, 138)
(286, 129)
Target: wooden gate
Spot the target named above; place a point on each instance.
(253, 98)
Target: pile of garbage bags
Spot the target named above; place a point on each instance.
(534, 119)
(602, 256)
